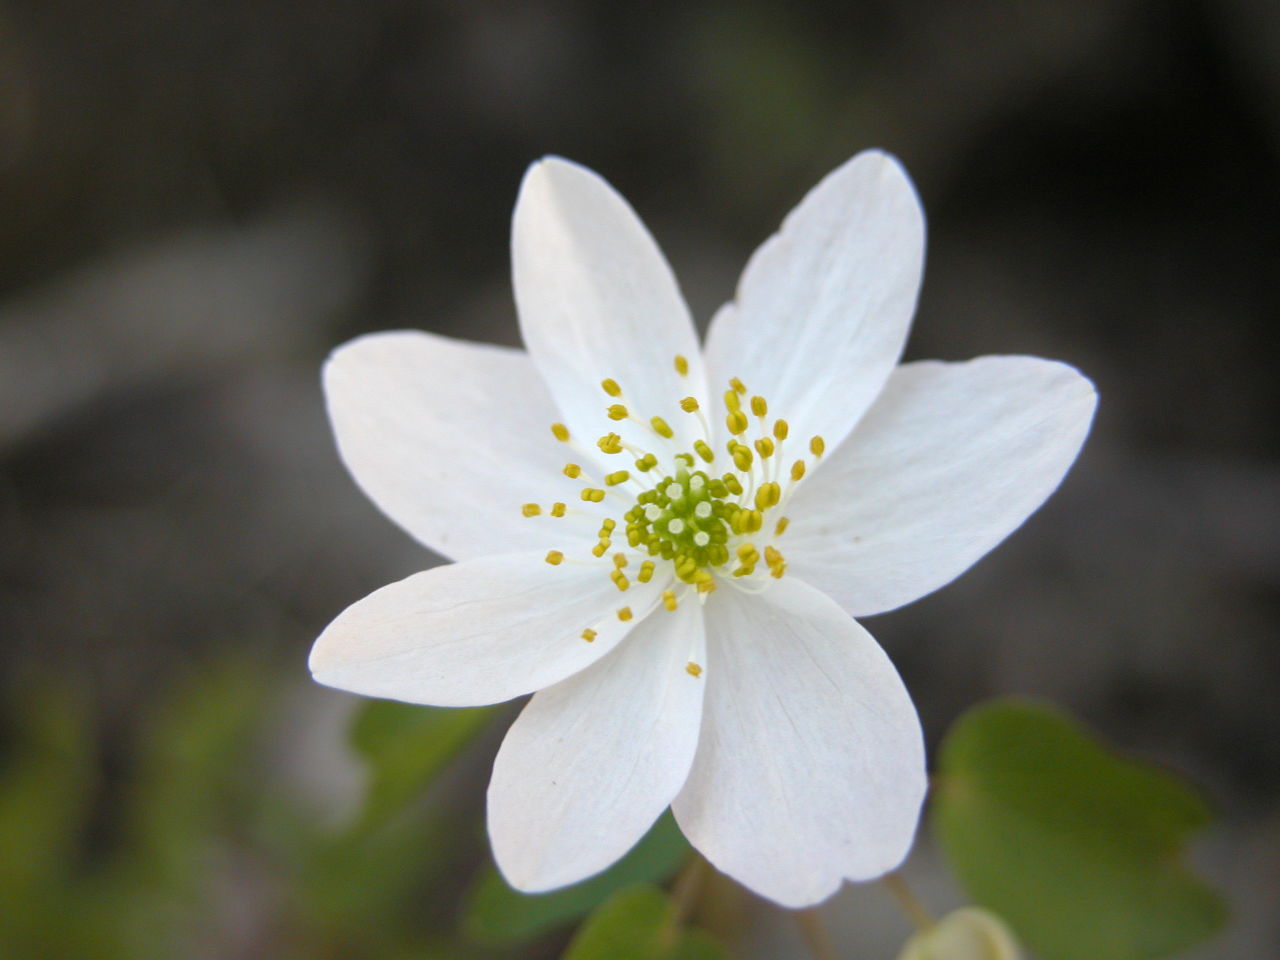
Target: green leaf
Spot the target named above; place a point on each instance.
(496, 914)
(640, 923)
(405, 747)
(1077, 848)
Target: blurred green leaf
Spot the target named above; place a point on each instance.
(405, 747)
(496, 914)
(1079, 849)
(46, 786)
(639, 923)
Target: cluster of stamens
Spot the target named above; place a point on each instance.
(709, 517)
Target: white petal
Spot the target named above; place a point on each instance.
(597, 299)
(593, 761)
(479, 631)
(449, 439)
(823, 307)
(950, 460)
(810, 767)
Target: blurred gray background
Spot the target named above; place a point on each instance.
(200, 200)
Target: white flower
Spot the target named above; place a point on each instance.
(682, 593)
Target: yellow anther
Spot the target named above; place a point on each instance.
(617, 411)
(764, 446)
(669, 599)
(610, 386)
(797, 470)
(557, 509)
(732, 484)
(660, 427)
(617, 477)
(754, 521)
(737, 385)
(736, 421)
(646, 463)
(747, 553)
(610, 443)
(682, 365)
(646, 571)
(773, 556)
(780, 429)
(531, 510)
(817, 445)
(742, 457)
(624, 614)
(572, 471)
(620, 580)
(554, 557)
(607, 526)
(704, 581)
(692, 669)
(689, 404)
(704, 451)
(588, 635)
(560, 432)
(759, 406)
(601, 548)
(781, 528)
(731, 402)
(592, 495)
(619, 560)
(768, 495)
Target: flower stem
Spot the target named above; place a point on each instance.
(684, 896)
(814, 931)
(910, 904)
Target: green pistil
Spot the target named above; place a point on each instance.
(683, 519)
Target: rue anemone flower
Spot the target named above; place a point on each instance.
(668, 544)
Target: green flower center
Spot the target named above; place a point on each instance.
(708, 516)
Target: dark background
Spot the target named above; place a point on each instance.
(199, 200)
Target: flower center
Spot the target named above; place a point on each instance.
(694, 518)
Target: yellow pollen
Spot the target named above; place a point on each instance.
(731, 402)
(588, 635)
(617, 412)
(682, 365)
(592, 495)
(797, 470)
(780, 429)
(531, 510)
(689, 404)
(620, 579)
(554, 557)
(646, 571)
(610, 386)
(624, 614)
(704, 451)
(704, 581)
(781, 528)
(693, 669)
(742, 457)
(817, 445)
(732, 483)
(557, 509)
(646, 463)
(737, 385)
(572, 471)
(600, 548)
(759, 407)
(736, 421)
(669, 599)
(619, 560)
(764, 446)
(560, 432)
(610, 443)
(617, 477)
(660, 427)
